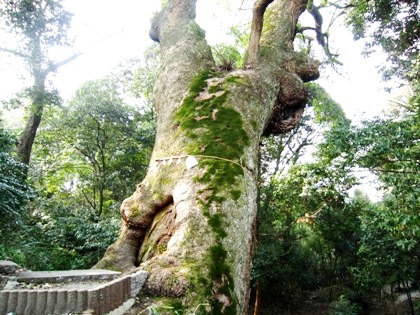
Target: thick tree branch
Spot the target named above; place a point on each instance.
(310, 28)
(276, 42)
(256, 29)
(320, 36)
(277, 58)
(54, 66)
(90, 203)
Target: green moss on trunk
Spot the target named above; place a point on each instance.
(218, 139)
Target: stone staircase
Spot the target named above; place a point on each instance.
(107, 291)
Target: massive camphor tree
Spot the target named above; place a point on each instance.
(191, 225)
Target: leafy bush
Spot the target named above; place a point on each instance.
(14, 189)
(343, 306)
(55, 237)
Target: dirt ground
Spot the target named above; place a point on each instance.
(307, 307)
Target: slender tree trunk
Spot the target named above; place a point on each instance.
(394, 306)
(100, 211)
(36, 110)
(190, 226)
(27, 138)
(409, 298)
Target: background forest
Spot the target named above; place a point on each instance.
(317, 236)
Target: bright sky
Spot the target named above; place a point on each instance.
(359, 90)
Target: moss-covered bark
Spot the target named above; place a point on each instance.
(191, 227)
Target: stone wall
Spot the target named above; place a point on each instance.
(98, 300)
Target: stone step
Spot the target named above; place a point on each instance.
(67, 276)
(100, 299)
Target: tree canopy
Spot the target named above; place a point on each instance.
(392, 25)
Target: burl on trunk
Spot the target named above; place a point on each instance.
(190, 226)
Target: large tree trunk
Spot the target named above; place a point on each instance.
(191, 226)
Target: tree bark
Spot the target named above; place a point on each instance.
(36, 110)
(191, 226)
(257, 25)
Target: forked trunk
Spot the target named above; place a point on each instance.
(190, 226)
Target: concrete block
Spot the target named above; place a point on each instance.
(122, 309)
(21, 301)
(82, 300)
(41, 301)
(12, 301)
(111, 294)
(127, 287)
(61, 304)
(118, 294)
(51, 302)
(31, 303)
(133, 288)
(4, 296)
(71, 301)
(93, 300)
(103, 299)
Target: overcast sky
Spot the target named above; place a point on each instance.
(126, 23)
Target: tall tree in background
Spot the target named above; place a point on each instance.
(39, 25)
(295, 191)
(388, 147)
(392, 25)
(190, 226)
(97, 145)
